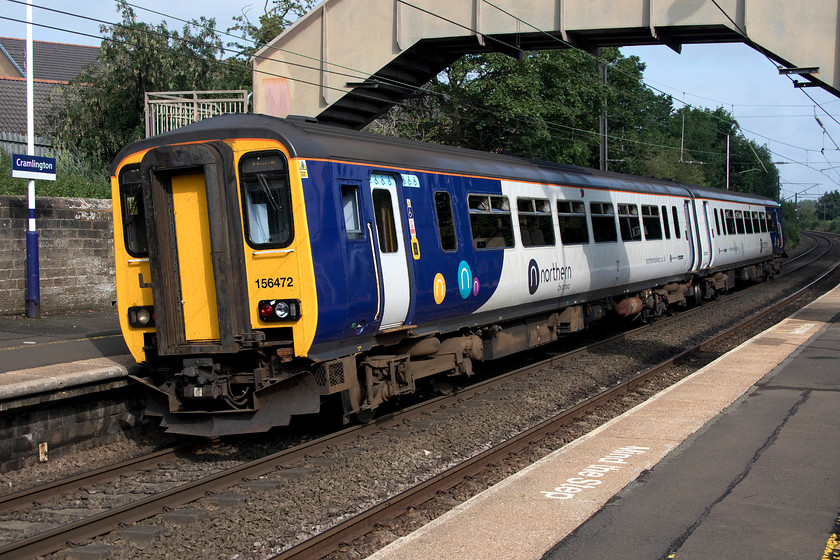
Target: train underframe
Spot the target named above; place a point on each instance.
(211, 396)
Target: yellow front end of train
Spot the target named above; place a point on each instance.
(213, 268)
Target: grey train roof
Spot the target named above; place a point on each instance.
(306, 139)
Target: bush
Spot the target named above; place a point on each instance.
(790, 225)
(74, 178)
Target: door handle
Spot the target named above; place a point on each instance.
(375, 272)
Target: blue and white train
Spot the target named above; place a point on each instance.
(265, 264)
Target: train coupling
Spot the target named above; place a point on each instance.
(203, 379)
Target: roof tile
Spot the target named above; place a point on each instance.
(52, 61)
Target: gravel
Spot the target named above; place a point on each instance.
(263, 517)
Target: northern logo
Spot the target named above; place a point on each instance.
(533, 277)
(554, 273)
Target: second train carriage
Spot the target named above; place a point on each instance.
(263, 264)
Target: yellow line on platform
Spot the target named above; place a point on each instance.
(832, 547)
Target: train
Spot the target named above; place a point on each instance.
(266, 266)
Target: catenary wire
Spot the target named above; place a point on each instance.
(563, 128)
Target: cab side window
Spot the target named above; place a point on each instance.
(267, 199)
(133, 212)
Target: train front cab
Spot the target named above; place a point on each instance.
(213, 267)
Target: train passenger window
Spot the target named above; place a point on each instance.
(666, 223)
(446, 222)
(762, 222)
(267, 199)
(571, 217)
(535, 224)
(730, 222)
(350, 205)
(603, 222)
(717, 222)
(383, 210)
(628, 219)
(490, 221)
(748, 222)
(676, 216)
(755, 223)
(133, 213)
(651, 223)
(739, 221)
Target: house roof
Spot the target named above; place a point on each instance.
(13, 104)
(60, 62)
(54, 65)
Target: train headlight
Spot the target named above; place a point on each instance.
(141, 316)
(279, 310)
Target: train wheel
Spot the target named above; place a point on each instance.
(697, 295)
(443, 386)
(351, 400)
(364, 416)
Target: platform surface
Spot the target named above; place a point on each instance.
(41, 359)
(739, 460)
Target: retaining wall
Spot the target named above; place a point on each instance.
(76, 250)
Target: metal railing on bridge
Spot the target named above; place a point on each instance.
(168, 110)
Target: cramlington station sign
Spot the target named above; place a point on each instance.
(33, 167)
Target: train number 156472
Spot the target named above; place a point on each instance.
(279, 282)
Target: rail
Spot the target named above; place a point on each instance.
(56, 539)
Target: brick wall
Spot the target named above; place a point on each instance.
(70, 425)
(76, 250)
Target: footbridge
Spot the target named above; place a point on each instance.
(348, 61)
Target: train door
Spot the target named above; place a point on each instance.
(774, 227)
(195, 269)
(706, 256)
(197, 273)
(393, 283)
(689, 236)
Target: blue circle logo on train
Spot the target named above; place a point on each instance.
(465, 280)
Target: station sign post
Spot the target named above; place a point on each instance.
(32, 167)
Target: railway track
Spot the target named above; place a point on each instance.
(349, 440)
(329, 541)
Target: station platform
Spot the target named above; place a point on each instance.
(64, 386)
(740, 460)
(59, 352)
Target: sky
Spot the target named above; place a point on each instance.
(767, 107)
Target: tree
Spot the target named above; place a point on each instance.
(704, 134)
(102, 110)
(547, 107)
(828, 206)
(791, 228)
(271, 23)
(544, 106)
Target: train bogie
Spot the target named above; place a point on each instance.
(263, 265)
